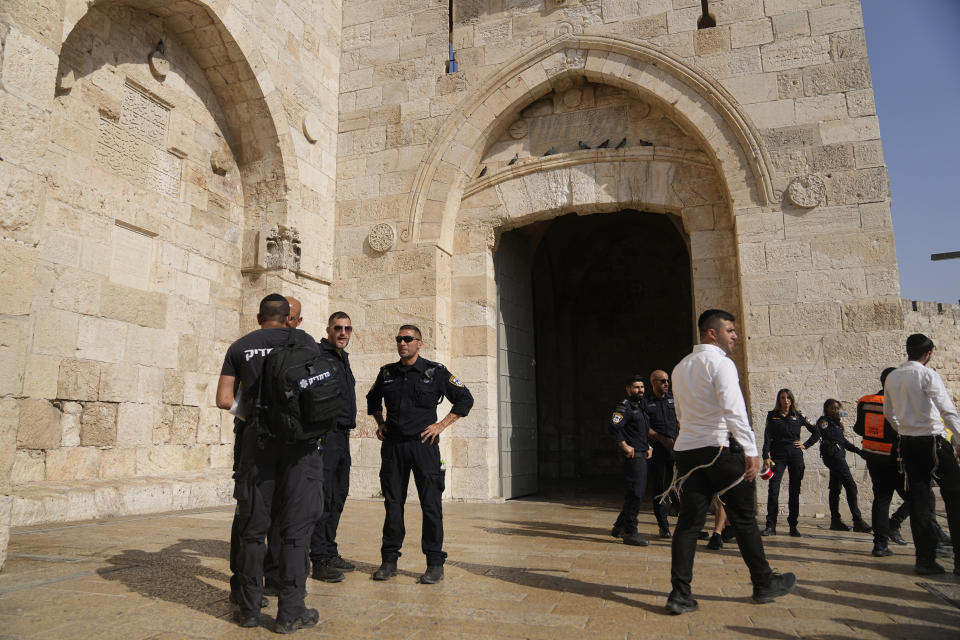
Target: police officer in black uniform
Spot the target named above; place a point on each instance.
(833, 447)
(630, 427)
(412, 388)
(663, 432)
(328, 565)
(274, 479)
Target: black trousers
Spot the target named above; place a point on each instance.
(886, 478)
(660, 468)
(927, 458)
(336, 485)
(635, 487)
(284, 480)
(398, 458)
(696, 494)
(792, 463)
(840, 478)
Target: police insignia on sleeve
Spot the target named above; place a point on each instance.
(617, 418)
(455, 381)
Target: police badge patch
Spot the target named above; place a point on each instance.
(455, 381)
(617, 418)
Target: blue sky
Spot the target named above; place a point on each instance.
(914, 49)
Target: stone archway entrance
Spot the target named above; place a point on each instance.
(583, 303)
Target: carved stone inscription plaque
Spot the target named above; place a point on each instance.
(565, 129)
(134, 146)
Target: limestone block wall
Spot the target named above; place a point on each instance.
(150, 196)
(777, 98)
(941, 322)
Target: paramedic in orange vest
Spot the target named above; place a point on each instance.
(879, 444)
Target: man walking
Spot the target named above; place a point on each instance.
(412, 388)
(915, 402)
(327, 563)
(629, 426)
(716, 454)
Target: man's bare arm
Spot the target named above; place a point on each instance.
(225, 392)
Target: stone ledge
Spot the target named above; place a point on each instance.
(45, 502)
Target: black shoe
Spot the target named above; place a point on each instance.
(703, 535)
(862, 527)
(339, 563)
(617, 531)
(246, 620)
(676, 606)
(769, 531)
(305, 620)
(780, 585)
(930, 568)
(432, 575)
(942, 552)
(235, 598)
(838, 525)
(664, 532)
(674, 511)
(323, 571)
(795, 533)
(716, 542)
(895, 536)
(634, 540)
(728, 534)
(881, 552)
(386, 571)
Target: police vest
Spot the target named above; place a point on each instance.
(878, 435)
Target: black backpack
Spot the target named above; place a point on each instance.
(299, 395)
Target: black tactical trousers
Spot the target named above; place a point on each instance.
(924, 458)
(286, 480)
(886, 478)
(696, 493)
(840, 478)
(399, 457)
(661, 473)
(792, 463)
(336, 485)
(635, 485)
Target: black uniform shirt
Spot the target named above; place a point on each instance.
(629, 423)
(412, 394)
(782, 431)
(663, 415)
(244, 359)
(832, 441)
(348, 414)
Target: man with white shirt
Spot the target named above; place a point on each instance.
(917, 405)
(716, 454)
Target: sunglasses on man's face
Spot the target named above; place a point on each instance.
(344, 329)
(407, 339)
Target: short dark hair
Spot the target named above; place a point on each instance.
(274, 307)
(829, 402)
(917, 345)
(636, 378)
(886, 372)
(336, 315)
(709, 319)
(411, 327)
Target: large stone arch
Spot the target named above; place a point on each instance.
(687, 94)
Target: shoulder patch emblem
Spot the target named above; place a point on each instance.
(616, 418)
(455, 381)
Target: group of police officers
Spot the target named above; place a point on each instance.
(290, 495)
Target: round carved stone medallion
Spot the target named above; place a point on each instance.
(572, 98)
(381, 237)
(519, 129)
(807, 191)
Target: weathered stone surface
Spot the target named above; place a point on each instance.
(78, 380)
(134, 424)
(39, 425)
(74, 463)
(145, 308)
(872, 315)
(98, 424)
(17, 262)
(9, 424)
(70, 424)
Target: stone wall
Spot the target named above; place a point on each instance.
(151, 194)
(941, 323)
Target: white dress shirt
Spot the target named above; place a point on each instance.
(915, 399)
(709, 402)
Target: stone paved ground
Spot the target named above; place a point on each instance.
(524, 569)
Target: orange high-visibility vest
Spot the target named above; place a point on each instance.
(878, 435)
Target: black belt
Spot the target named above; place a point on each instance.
(932, 435)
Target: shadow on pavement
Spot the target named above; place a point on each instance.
(175, 574)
